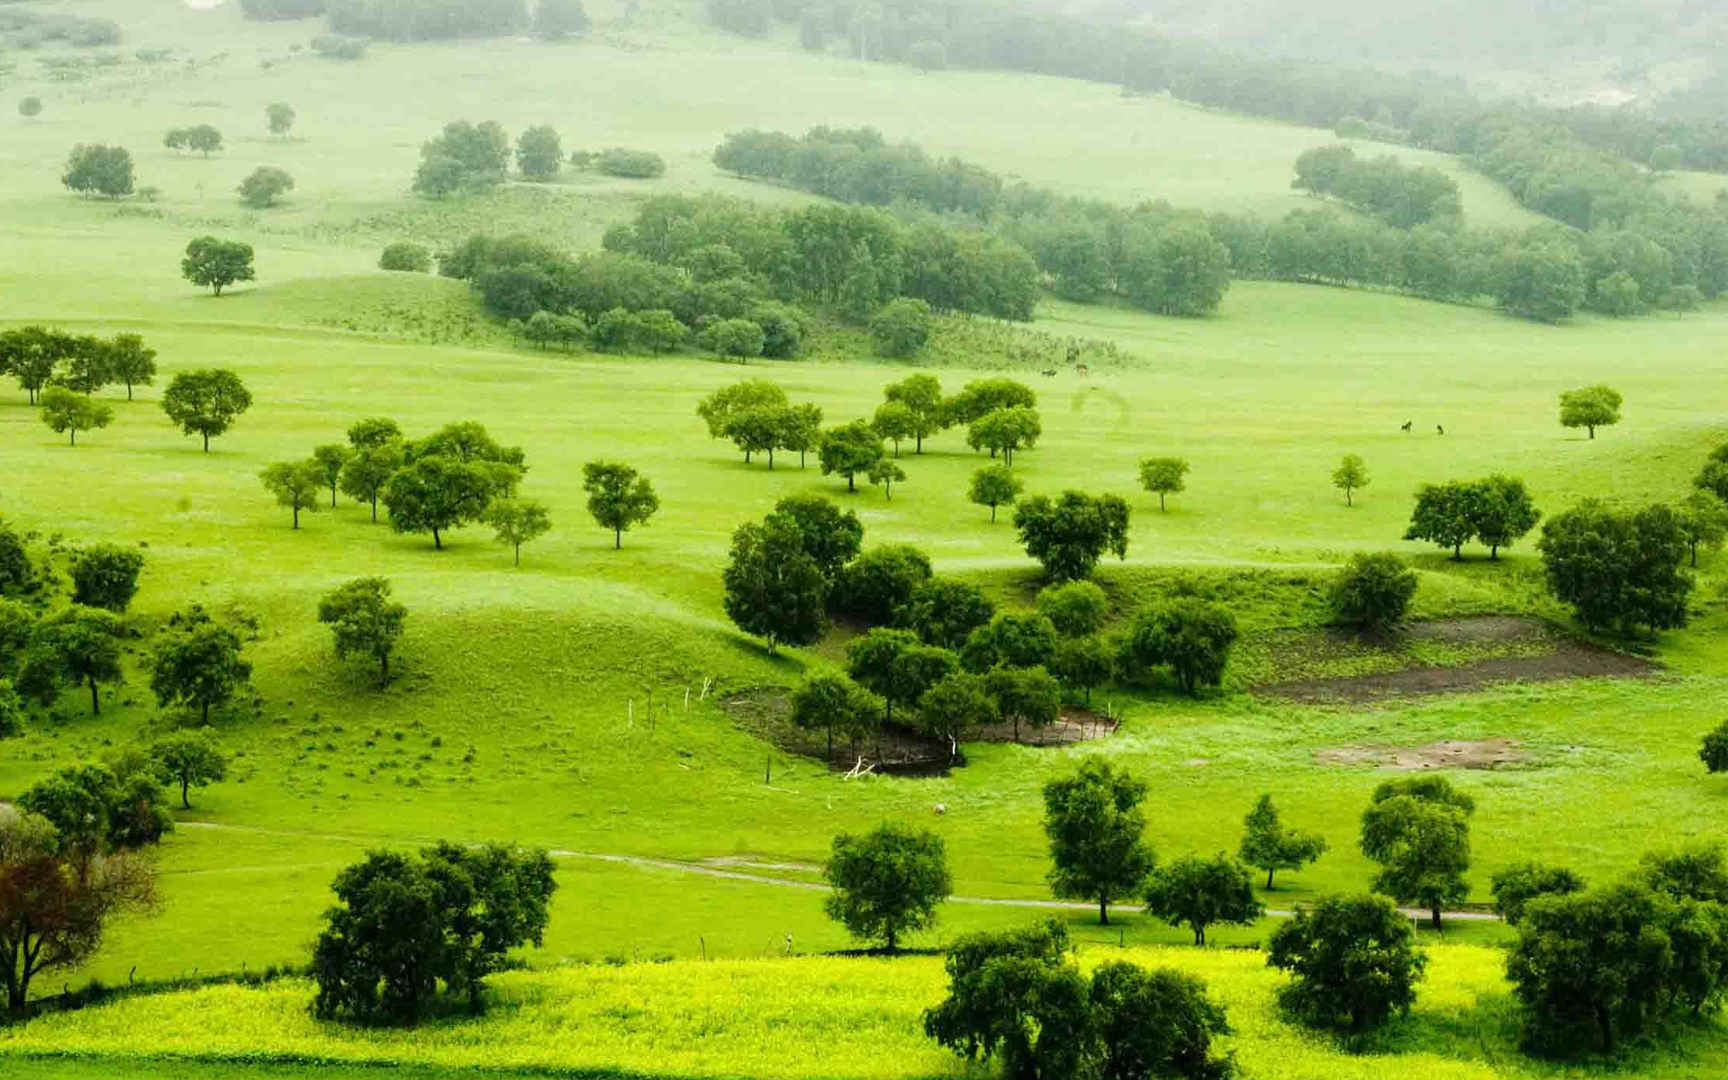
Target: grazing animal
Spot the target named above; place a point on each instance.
(1082, 370)
(1438, 430)
(1408, 424)
(1048, 373)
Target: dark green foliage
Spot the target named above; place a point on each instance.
(827, 534)
(464, 155)
(834, 703)
(66, 411)
(1541, 280)
(737, 338)
(1013, 996)
(1082, 663)
(945, 613)
(1020, 641)
(783, 329)
(12, 709)
(1199, 893)
(436, 493)
(95, 809)
(1156, 1024)
(1495, 512)
(539, 153)
(922, 397)
(1070, 534)
(914, 670)
(364, 621)
(718, 408)
(870, 660)
(995, 485)
(631, 164)
(403, 925)
(774, 589)
(1352, 960)
(886, 883)
(18, 574)
(881, 582)
(1005, 432)
(1024, 695)
(217, 263)
(1516, 886)
(279, 116)
(264, 186)
(1372, 591)
(1075, 609)
(953, 705)
(190, 759)
(1697, 872)
(1267, 844)
(406, 256)
(1714, 751)
(619, 497)
(201, 137)
(984, 396)
(516, 522)
(130, 362)
(368, 470)
(850, 449)
(1419, 833)
(1619, 570)
(901, 328)
(1096, 831)
(100, 170)
(422, 20)
(1191, 637)
(1403, 196)
(78, 647)
(198, 665)
(331, 459)
(1704, 518)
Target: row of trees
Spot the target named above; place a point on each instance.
(471, 157)
(1403, 196)
(41, 357)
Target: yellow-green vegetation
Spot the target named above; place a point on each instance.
(842, 1018)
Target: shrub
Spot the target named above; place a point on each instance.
(30, 107)
(634, 164)
(1352, 959)
(1714, 752)
(1372, 591)
(407, 256)
(902, 327)
(739, 338)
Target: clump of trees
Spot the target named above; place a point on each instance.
(463, 156)
(1015, 996)
(1619, 570)
(1188, 636)
(407, 256)
(199, 138)
(99, 170)
(404, 926)
(1495, 512)
(424, 20)
(1401, 195)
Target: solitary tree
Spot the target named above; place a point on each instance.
(1267, 844)
(1200, 893)
(886, 883)
(1350, 475)
(1501, 512)
(67, 413)
(364, 621)
(1443, 516)
(1419, 833)
(995, 485)
(1164, 476)
(1070, 534)
(261, 188)
(106, 576)
(190, 759)
(295, 484)
(1590, 407)
(280, 116)
(199, 666)
(774, 589)
(30, 108)
(217, 263)
(1096, 831)
(1352, 960)
(516, 522)
(57, 901)
(618, 496)
(104, 170)
(206, 403)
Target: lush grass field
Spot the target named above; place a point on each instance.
(522, 710)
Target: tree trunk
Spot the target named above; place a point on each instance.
(746, 457)
(518, 550)
(128, 391)
(296, 517)
(920, 444)
(617, 538)
(1348, 501)
(74, 433)
(1103, 911)
(1592, 428)
(95, 698)
(992, 513)
(1457, 552)
(1161, 502)
(383, 667)
(185, 801)
(1605, 1024)
(206, 442)
(770, 459)
(332, 496)
(1269, 872)
(374, 508)
(437, 541)
(1199, 935)
(206, 713)
(1435, 912)
(851, 485)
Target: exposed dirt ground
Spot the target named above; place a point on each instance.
(1560, 657)
(1448, 754)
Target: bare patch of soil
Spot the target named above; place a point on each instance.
(1447, 754)
(899, 751)
(1560, 657)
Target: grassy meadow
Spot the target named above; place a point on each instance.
(575, 702)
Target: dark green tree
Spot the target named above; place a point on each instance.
(295, 484)
(199, 666)
(619, 497)
(100, 170)
(1070, 534)
(364, 620)
(901, 328)
(1714, 750)
(1590, 407)
(827, 534)
(131, 363)
(995, 485)
(850, 449)
(1083, 663)
(922, 397)
(1618, 570)
(368, 470)
(879, 584)
(1267, 844)
(832, 702)
(79, 646)
(1353, 962)
(437, 493)
(886, 883)
(494, 899)
(516, 522)
(1163, 476)
(206, 402)
(1096, 830)
(1350, 476)
(1199, 893)
(1021, 641)
(1024, 696)
(279, 115)
(954, 705)
(1156, 1024)
(870, 661)
(1372, 592)
(190, 759)
(773, 588)
(1075, 609)
(262, 189)
(217, 263)
(944, 613)
(1704, 517)
(67, 413)
(539, 153)
(331, 459)
(106, 576)
(1421, 839)
(1516, 886)
(1190, 636)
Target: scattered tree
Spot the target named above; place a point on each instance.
(1351, 475)
(364, 621)
(1514, 887)
(1372, 592)
(1156, 1024)
(850, 449)
(331, 459)
(1704, 518)
(406, 256)
(1012, 995)
(1590, 408)
(887, 882)
(295, 484)
(280, 117)
(1020, 641)
(79, 646)
(1496, 511)
(953, 705)
(68, 413)
(198, 666)
(1083, 663)
(104, 170)
(1714, 751)
(1189, 635)
(539, 154)
(190, 759)
(1352, 960)
(369, 468)
(1419, 833)
(1199, 893)
(30, 108)
(131, 363)
(833, 702)
(1163, 476)
(1069, 536)
(894, 421)
(217, 263)
(201, 138)
(828, 535)
(106, 576)
(1096, 831)
(516, 522)
(1024, 695)
(618, 497)
(1267, 844)
(1005, 432)
(886, 474)
(880, 583)
(995, 485)
(922, 397)
(436, 493)
(263, 186)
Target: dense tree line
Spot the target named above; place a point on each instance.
(424, 20)
(1399, 194)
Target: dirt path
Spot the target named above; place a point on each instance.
(703, 870)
